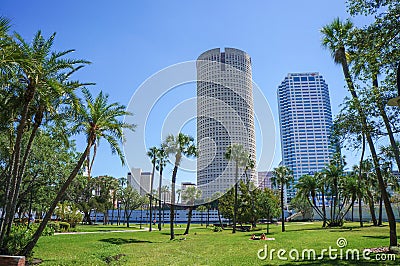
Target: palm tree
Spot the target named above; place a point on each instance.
(43, 85)
(161, 163)
(180, 145)
(307, 186)
(190, 195)
(239, 156)
(97, 119)
(281, 177)
(152, 153)
(335, 38)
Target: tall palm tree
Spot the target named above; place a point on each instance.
(161, 163)
(180, 145)
(239, 156)
(189, 196)
(97, 119)
(43, 85)
(281, 177)
(335, 38)
(152, 154)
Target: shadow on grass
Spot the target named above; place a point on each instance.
(168, 233)
(122, 241)
(377, 237)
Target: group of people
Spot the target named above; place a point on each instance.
(262, 237)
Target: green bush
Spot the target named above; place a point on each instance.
(217, 229)
(64, 226)
(69, 213)
(55, 226)
(20, 236)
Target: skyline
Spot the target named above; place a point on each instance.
(138, 40)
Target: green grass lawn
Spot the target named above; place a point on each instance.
(106, 228)
(205, 247)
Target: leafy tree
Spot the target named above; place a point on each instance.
(226, 204)
(130, 200)
(180, 145)
(282, 176)
(239, 156)
(268, 203)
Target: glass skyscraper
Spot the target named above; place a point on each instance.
(305, 124)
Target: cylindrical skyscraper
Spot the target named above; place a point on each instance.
(225, 116)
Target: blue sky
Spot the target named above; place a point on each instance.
(128, 41)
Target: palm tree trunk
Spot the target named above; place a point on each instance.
(38, 122)
(360, 181)
(15, 164)
(208, 215)
(371, 207)
(113, 208)
(189, 220)
(171, 215)
(219, 219)
(386, 200)
(360, 211)
(236, 197)
(380, 210)
(151, 194)
(282, 210)
(159, 197)
(31, 244)
(323, 207)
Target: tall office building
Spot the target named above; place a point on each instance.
(139, 180)
(225, 116)
(305, 124)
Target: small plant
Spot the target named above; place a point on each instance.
(64, 226)
(217, 229)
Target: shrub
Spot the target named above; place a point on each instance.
(55, 226)
(64, 226)
(217, 229)
(69, 213)
(20, 236)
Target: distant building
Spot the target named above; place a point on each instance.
(264, 179)
(184, 186)
(139, 180)
(305, 124)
